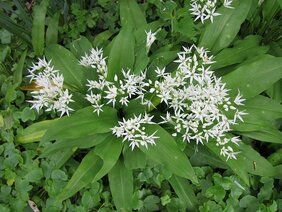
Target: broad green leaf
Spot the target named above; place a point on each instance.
(242, 50)
(64, 61)
(80, 47)
(185, 27)
(134, 159)
(254, 77)
(109, 151)
(122, 53)
(200, 156)
(52, 30)
(280, 2)
(235, 165)
(255, 163)
(102, 38)
(269, 9)
(166, 152)
(222, 31)
(276, 157)
(248, 161)
(121, 185)
(34, 132)
(19, 69)
(88, 168)
(263, 107)
(141, 58)
(275, 91)
(161, 60)
(259, 123)
(268, 134)
(61, 157)
(184, 191)
(131, 15)
(80, 142)
(95, 164)
(38, 27)
(82, 123)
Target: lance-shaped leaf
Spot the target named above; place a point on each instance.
(82, 142)
(222, 31)
(166, 152)
(19, 69)
(53, 29)
(242, 50)
(88, 168)
(134, 159)
(38, 27)
(34, 132)
(184, 191)
(248, 161)
(254, 77)
(109, 151)
(122, 53)
(131, 14)
(263, 107)
(121, 185)
(64, 61)
(80, 47)
(84, 122)
(95, 164)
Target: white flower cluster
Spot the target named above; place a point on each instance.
(198, 105)
(49, 92)
(118, 93)
(150, 38)
(197, 101)
(206, 9)
(133, 130)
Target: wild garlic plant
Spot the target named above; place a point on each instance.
(196, 101)
(191, 99)
(207, 9)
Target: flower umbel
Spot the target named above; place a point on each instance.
(49, 92)
(133, 130)
(206, 9)
(198, 106)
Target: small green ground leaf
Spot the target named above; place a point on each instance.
(122, 53)
(254, 77)
(184, 191)
(222, 31)
(38, 27)
(84, 122)
(121, 185)
(166, 152)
